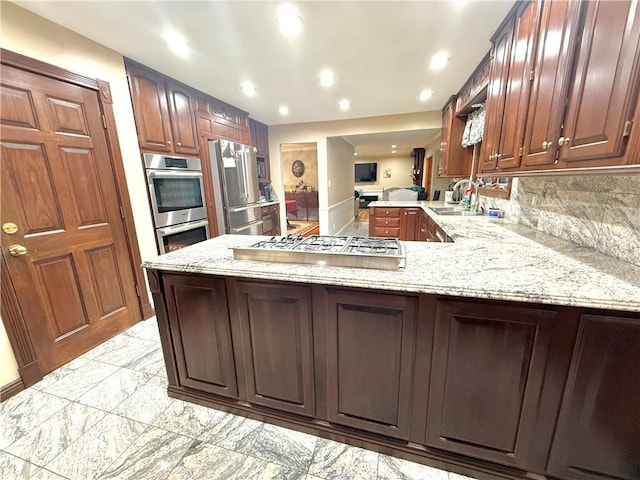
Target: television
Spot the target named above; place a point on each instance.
(366, 172)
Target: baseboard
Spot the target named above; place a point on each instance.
(10, 389)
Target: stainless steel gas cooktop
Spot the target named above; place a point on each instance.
(359, 252)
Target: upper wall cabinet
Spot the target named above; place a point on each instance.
(455, 160)
(163, 112)
(564, 87)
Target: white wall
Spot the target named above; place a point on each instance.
(319, 132)
(33, 36)
(340, 211)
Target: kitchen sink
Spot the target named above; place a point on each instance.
(454, 211)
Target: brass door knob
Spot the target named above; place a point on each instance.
(9, 228)
(18, 250)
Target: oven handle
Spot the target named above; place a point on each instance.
(172, 174)
(182, 228)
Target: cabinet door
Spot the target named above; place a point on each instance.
(604, 86)
(455, 160)
(182, 120)
(500, 54)
(517, 87)
(262, 138)
(199, 319)
(423, 233)
(278, 345)
(598, 434)
(558, 25)
(370, 355)
(409, 223)
(497, 379)
(150, 109)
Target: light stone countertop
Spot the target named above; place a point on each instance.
(491, 258)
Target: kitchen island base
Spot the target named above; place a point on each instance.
(489, 389)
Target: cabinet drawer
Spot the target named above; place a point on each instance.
(386, 232)
(388, 212)
(386, 222)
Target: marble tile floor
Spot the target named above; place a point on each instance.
(106, 415)
(360, 227)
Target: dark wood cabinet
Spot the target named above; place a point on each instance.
(384, 222)
(150, 109)
(495, 369)
(455, 160)
(604, 86)
(260, 139)
(271, 218)
(410, 223)
(564, 88)
(509, 90)
(276, 325)
(598, 434)
(370, 352)
(201, 333)
(181, 111)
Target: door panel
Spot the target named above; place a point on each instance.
(199, 319)
(278, 346)
(548, 93)
(182, 120)
(598, 434)
(75, 284)
(491, 377)
(371, 350)
(605, 84)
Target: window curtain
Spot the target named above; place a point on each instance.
(474, 127)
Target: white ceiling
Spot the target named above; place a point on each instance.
(374, 145)
(379, 51)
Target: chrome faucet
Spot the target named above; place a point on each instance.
(472, 206)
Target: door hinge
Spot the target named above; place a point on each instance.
(137, 290)
(121, 212)
(627, 128)
(532, 75)
(104, 121)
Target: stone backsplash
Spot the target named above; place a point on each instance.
(599, 212)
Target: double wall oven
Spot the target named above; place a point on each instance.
(177, 199)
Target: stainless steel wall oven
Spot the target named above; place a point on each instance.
(177, 199)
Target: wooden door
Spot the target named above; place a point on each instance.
(409, 223)
(598, 434)
(557, 32)
(150, 109)
(517, 87)
(183, 125)
(201, 333)
(370, 355)
(73, 280)
(277, 337)
(497, 376)
(500, 56)
(604, 86)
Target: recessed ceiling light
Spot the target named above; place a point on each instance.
(284, 110)
(177, 44)
(248, 88)
(394, 146)
(355, 153)
(439, 60)
(425, 95)
(393, 151)
(327, 78)
(289, 22)
(344, 104)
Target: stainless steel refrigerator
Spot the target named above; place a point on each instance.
(235, 166)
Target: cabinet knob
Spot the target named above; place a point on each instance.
(387, 222)
(168, 142)
(179, 144)
(563, 141)
(498, 156)
(387, 212)
(547, 145)
(386, 232)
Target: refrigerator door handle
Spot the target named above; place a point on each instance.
(247, 227)
(242, 183)
(242, 209)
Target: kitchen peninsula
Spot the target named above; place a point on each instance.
(493, 356)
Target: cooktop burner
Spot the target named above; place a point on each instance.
(381, 253)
